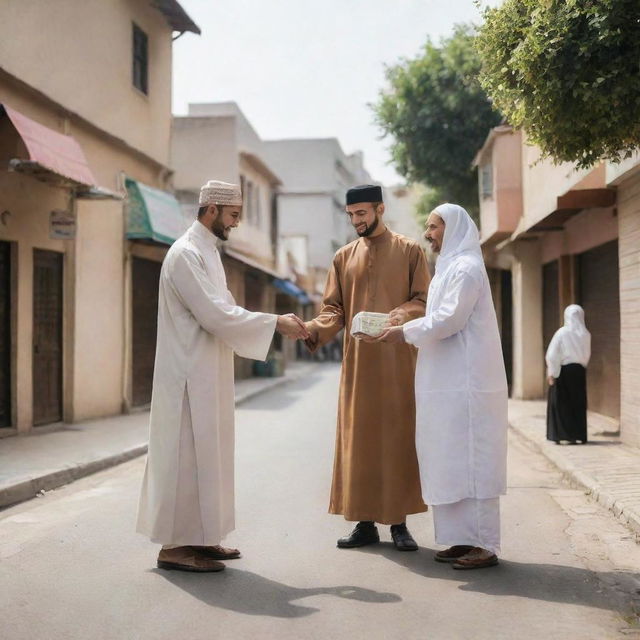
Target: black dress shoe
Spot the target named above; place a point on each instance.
(402, 538)
(364, 533)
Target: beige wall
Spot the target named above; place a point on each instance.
(543, 182)
(249, 237)
(528, 361)
(88, 70)
(629, 255)
(94, 277)
(203, 149)
(587, 230)
(93, 296)
(501, 212)
(207, 148)
(29, 203)
(99, 310)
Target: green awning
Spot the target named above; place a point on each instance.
(153, 214)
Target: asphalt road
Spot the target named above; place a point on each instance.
(71, 566)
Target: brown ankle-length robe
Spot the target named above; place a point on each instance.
(375, 473)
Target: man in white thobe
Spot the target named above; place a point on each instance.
(187, 498)
(461, 395)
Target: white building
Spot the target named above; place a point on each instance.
(400, 210)
(215, 141)
(316, 174)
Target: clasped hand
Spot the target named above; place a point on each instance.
(291, 326)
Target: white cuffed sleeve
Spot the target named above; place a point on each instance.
(451, 314)
(554, 355)
(248, 333)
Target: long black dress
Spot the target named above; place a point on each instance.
(567, 405)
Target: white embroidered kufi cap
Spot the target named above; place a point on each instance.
(224, 193)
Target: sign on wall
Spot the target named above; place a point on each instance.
(62, 225)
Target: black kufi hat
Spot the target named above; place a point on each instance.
(364, 193)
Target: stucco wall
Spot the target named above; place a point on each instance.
(254, 237)
(88, 70)
(305, 164)
(99, 310)
(543, 181)
(629, 256)
(585, 231)
(29, 203)
(94, 329)
(310, 216)
(203, 149)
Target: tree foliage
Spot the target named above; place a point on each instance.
(438, 117)
(568, 71)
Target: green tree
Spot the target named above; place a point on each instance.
(438, 116)
(568, 71)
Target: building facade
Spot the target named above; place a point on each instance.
(215, 141)
(82, 109)
(316, 174)
(553, 235)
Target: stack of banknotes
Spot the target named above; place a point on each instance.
(370, 323)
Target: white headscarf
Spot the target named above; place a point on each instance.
(576, 337)
(460, 234)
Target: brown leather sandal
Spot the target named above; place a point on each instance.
(474, 560)
(452, 553)
(187, 559)
(218, 552)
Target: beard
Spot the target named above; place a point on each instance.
(218, 230)
(368, 230)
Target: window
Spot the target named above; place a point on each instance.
(249, 201)
(486, 180)
(140, 59)
(258, 208)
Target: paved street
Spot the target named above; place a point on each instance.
(72, 567)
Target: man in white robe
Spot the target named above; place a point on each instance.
(187, 498)
(461, 395)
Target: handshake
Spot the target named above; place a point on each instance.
(291, 326)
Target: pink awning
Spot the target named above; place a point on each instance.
(51, 151)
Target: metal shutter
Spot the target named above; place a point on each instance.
(599, 295)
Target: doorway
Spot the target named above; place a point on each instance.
(145, 279)
(47, 336)
(5, 334)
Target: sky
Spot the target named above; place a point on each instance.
(307, 68)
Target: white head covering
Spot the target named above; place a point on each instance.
(574, 319)
(223, 193)
(576, 337)
(460, 233)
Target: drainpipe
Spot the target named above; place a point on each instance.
(126, 306)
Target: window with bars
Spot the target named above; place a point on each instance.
(486, 180)
(140, 59)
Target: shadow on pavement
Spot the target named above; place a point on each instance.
(548, 582)
(246, 592)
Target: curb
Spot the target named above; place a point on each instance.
(22, 490)
(13, 494)
(578, 478)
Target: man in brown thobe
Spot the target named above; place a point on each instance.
(375, 473)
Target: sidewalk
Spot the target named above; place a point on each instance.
(36, 463)
(607, 469)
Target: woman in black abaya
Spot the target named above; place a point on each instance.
(567, 358)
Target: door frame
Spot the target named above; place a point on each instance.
(13, 339)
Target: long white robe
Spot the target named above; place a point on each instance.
(187, 494)
(460, 384)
